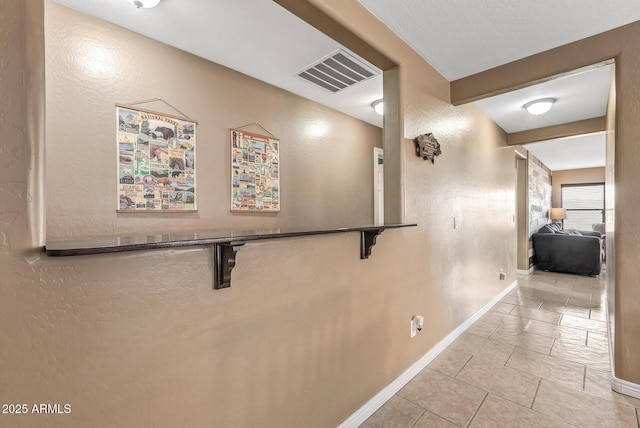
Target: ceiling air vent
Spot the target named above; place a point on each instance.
(338, 71)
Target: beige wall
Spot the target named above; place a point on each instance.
(522, 212)
(308, 332)
(623, 152)
(574, 176)
(580, 127)
(326, 181)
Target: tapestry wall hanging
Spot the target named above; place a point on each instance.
(255, 172)
(156, 161)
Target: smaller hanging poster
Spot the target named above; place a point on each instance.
(156, 161)
(255, 172)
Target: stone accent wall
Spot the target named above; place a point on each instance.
(539, 195)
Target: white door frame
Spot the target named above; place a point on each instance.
(378, 186)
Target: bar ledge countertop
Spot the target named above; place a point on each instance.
(226, 243)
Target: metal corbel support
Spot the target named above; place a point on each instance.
(225, 261)
(367, 241)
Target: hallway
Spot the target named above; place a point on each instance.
(539, 357)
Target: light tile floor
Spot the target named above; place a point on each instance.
(538, 358)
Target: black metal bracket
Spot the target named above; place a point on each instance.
(367, 241)
(225, 261)
(224, 244)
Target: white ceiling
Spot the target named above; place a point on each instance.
(255, 37)
(457, 37)
(584, 151)
(580, 96)
(463, 37)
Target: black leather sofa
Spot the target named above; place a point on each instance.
(569, 251)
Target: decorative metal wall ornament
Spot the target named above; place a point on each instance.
(427, 147)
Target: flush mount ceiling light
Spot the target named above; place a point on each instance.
(144, 3)
(538, 107)
(378, 106)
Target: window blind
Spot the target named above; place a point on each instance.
(584, 204)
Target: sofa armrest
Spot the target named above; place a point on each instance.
(568, 253)
(590, 233)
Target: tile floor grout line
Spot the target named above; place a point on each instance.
(535, 395)
(463, 366)
(637, 417)
(477, 410)
(494, 330)
(397, 394)
(584, 378)
(442, 417)
(418, 418)
(552, 345)
(510, 355)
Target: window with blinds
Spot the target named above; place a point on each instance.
(584, 204)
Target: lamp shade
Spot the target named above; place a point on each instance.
(558, 213)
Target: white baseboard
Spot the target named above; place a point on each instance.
(361, 415)
(620, 386)
(525, 272)
(625, 387)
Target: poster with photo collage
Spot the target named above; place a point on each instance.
(255, 172)
(156, 162)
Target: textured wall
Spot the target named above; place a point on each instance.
(610, 214)
(474, 180)
(91, 66)
(626, 174)
(522, 212)
(574, 176)
(308, 332)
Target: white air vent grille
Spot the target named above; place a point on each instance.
(338, 71)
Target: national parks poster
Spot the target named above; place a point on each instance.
(156, 161)
(255, 172)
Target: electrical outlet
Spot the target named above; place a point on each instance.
(503, 275)
(456, 223)
(417, 322)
